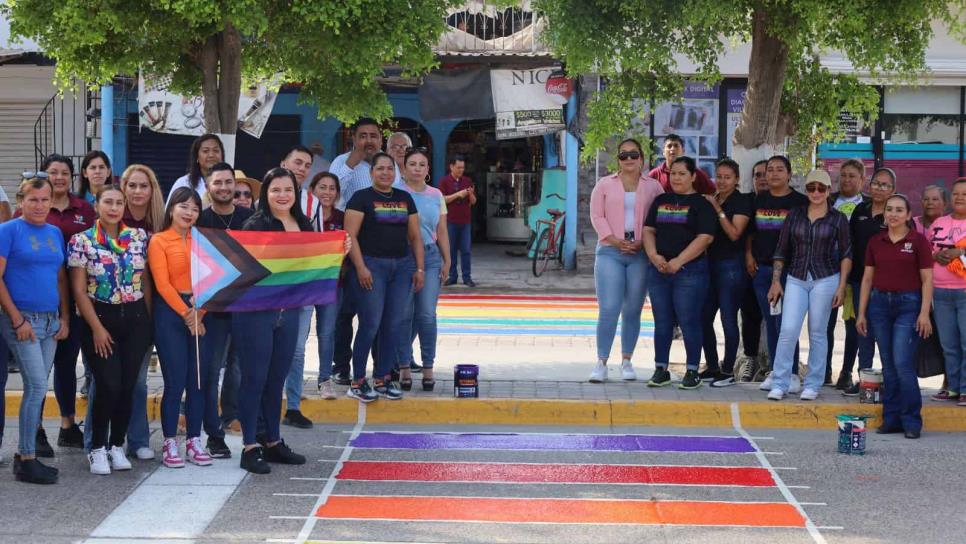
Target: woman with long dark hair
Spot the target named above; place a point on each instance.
(265, 340)
(728, 277)
(618, 205)
(95, 172)
(206, 151)
(108, 264)
(178, 328)
(387, 268)
(894, 304)
(326, 187)
(677, 232)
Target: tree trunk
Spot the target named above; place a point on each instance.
(229, 80)
(207, 60)
(763, 128)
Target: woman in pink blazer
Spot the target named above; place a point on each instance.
(618, 205)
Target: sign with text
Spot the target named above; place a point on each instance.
(529, 102)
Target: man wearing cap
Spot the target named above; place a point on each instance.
(223, 214)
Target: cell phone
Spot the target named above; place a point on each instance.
(629, 236)
(776, 308)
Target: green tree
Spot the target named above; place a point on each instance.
(336, 50)
(633, 45)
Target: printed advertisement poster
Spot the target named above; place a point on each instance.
(163, 111)
(736, 104)
(695, 119)
(529, 102)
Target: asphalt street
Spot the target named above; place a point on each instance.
(513, 484)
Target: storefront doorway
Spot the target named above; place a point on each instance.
(507, 177)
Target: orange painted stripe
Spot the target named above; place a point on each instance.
(294, 251)
(561, 511)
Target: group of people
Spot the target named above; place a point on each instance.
(702, 250)
(106, 272)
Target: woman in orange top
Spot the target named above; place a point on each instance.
(176, 324)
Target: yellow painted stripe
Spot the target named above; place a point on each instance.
(697, 413)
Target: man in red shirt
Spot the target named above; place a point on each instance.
(674, 148)
(460, 194)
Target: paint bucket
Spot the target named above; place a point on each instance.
(466, 382)
(852, 434)
(870, 386)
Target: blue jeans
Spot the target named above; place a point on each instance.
(178, 358)
(348, 308)
(892, 318)
(36, 357)
(678, 298)
(230, 383)
(421, 313)
(459, 249)
(219, 338)
(949, 306)
(325, 319)
(296, 377)
(266, 345)
(621, 284)
(65, 366)
(382, 310)
(773, 323)
(813, 297)
(728, 283)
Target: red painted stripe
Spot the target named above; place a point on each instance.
(561, 511)
(517, 297)
(555, 473)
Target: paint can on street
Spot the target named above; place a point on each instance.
(466, 382)
(870, 386)
(852, 431)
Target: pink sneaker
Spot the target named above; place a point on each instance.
(196, 453)
(170, 455)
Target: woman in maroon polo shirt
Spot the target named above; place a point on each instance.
(71, 214)
(895, 307)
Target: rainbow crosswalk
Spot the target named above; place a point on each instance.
(388, 458)
(524, 315)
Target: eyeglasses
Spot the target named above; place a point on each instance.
(881, 184)
(628, 155)
(816, 188)
(27, 174)
(399, 147)
(240, 194)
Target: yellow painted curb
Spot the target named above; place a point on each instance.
(452, 411)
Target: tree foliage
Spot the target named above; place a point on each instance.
(335, 49)
(634, 46)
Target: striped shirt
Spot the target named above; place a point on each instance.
(820, 245)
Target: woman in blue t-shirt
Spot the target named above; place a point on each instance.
(421, 315)
(33, 297)
(387, 259)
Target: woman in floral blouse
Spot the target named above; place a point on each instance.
(112, 290)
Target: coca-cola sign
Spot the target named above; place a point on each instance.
(559, 87)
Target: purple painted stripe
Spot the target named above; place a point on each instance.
(271, 297)
(599, 442)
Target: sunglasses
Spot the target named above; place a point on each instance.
(422, 150)
(881, 184)
(27, 174)
(628, 155)
(246, 194)
(816, 188)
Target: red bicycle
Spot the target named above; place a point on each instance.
(548, 243)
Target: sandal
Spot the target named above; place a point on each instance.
(429, 384)
(406, 385)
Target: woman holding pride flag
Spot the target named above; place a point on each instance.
(388, 268)
(179, 329)
(266, 339)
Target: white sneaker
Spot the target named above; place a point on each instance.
(766, 385)
(794, 384)
(327, 390)
(119, 459)
(809, 394)
(98, 460)
(144, 454)
(599, 374)
(627, 371)
(776, 394)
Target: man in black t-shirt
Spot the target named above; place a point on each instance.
(222, 215)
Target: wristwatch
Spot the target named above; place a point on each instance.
(721, 215)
